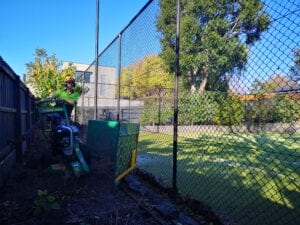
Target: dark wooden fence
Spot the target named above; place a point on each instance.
(17, 110)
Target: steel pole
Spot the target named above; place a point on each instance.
(177, 73)
(119, 76)
(96, 61)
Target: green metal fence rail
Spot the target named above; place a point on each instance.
(17, 110)
(238, 122)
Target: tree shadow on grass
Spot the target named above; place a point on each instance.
(239, 176)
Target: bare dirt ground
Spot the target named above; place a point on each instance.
(69, 200)
(87, 200)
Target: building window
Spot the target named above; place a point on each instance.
(87, 77)
(103, 82)
(78, 76)
(83, 76)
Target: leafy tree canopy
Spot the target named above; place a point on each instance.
(146, 77)
(44, 74)
(295, 69)
(214, 38)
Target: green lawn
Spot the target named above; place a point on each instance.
(248, 178)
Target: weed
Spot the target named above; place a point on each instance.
(44, 203)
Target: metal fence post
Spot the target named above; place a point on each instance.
(119, 76)
(82, 100)
(175, 137)
(159, 112)
(18, 120)
(129, 104)
(96, 61)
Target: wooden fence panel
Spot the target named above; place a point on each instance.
(16, 119)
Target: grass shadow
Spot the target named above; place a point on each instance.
(249, 178)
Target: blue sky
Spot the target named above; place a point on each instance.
(63, 27)
(67, 28)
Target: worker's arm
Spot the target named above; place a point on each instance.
(71, 101)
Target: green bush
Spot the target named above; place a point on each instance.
(194, 108)
(286, 109)
(230, 110)
(281, 108)
(260, 111)
(219, 108)
(156, 111)
(197, 108)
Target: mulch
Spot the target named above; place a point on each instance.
(90, 199)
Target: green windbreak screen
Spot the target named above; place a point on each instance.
(128, 139)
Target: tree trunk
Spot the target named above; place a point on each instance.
(193, 88)
(204, 79)
(193, 79)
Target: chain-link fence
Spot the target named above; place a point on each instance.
(238, 104)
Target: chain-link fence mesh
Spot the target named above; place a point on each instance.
(238, 104)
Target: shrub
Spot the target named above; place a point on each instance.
(197, 108)
(156, 111)
(230, 110)
(286, 109)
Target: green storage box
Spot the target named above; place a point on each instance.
(114, 144)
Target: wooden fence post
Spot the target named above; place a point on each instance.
(28, 115)
(18, 120)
